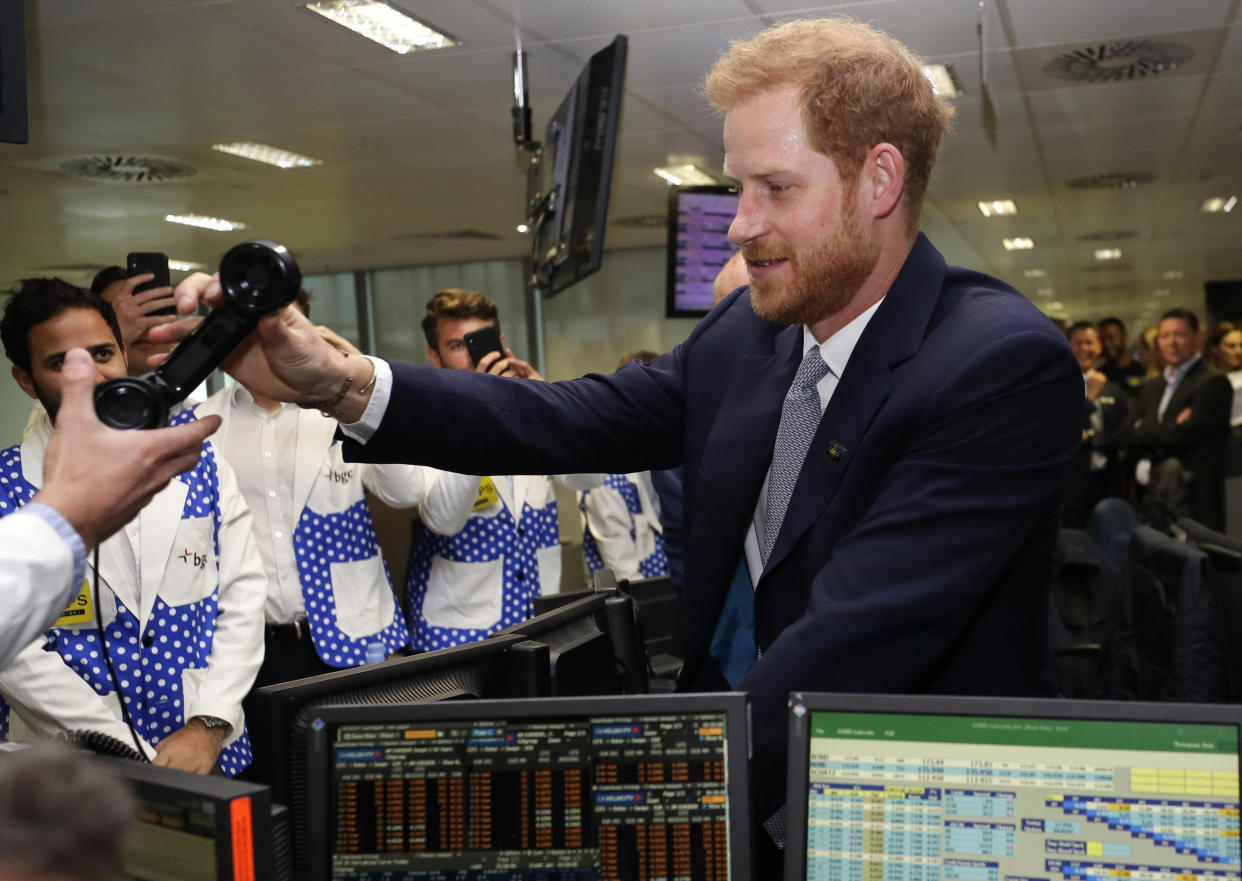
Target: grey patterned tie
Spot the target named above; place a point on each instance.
(800, 417)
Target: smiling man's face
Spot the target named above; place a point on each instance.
(799, 225)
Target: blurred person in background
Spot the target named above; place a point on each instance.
(1117, 363)
(63, 815)
(1098, 472)
(1181, 433)
(1148, 353)
(1224, 351)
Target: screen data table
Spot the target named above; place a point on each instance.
(599, 798)
(924, 798)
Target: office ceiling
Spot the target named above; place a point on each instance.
(419, 165)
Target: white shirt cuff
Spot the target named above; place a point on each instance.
(373, 415)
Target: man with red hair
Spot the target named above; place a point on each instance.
(875, 443)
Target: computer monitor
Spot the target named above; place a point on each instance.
(571, 176)
(998, 789)
(698, 246)
(195, 827)
(582, 656)
(558, 788)
(14, 124)
(279, 722)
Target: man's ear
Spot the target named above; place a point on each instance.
(884, 179)
(25, 380)
(434, 357)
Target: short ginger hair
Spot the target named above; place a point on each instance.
(859, 87)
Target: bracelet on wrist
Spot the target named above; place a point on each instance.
(331, 407)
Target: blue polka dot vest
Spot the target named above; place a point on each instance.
(319, 540)
(483, 540)
(655, 564)
(149, 663)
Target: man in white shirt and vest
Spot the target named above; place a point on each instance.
(171, 618)
(330, 602)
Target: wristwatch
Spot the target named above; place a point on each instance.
(215, 722)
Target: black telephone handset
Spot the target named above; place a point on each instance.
(258, 278)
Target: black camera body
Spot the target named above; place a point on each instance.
(258, 277)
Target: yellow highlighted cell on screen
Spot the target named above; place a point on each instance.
(1095, 848)
(715, 731)
(420, 734)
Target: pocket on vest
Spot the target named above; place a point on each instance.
(463, 596)
(363, 596)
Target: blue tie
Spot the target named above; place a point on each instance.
(733, 643)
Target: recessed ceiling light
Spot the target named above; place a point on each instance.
(1020, 244)
(997, 207)
(1163, 292)
(1056, 306)
(1047, 292)
(1171, 274)
(521, 227)
(386, 25)
(219, 224)
(268, 154)
(943, 80)
(1107, 253)
(1034, 273)
(685, 176)
(184, 265)
(1217, 204)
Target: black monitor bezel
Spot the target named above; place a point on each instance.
(280, 703)
(567, 242)
(590, 612)
(803, 704)
(145, 779)
(671, 310)
(734, 705)
(14, 119)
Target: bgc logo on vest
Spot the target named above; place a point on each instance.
(190, 558)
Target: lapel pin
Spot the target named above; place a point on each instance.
(835, 450)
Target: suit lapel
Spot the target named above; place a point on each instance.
(502, 485)
(858, 396)
(315, 434)
(738, 451)
(115, 561)
(158, 523)
(893, 334)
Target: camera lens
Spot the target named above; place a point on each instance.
(128, 404)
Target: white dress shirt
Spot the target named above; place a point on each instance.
(260, 446)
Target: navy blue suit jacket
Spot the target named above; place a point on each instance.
(916, 554)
